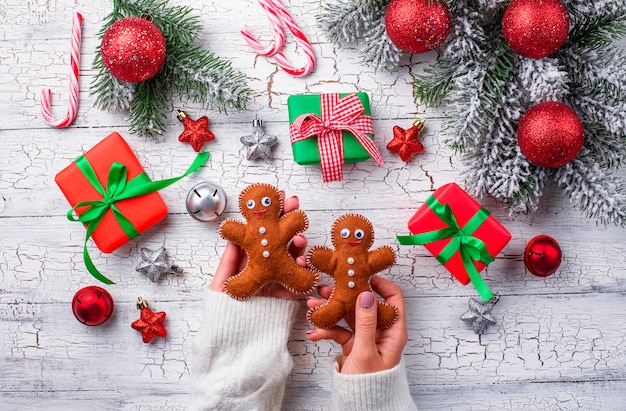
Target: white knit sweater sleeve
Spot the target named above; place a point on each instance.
(381, 391)
(241, 361)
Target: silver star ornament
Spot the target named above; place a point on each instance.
(155, 264)
(258, 143)
(479, 315)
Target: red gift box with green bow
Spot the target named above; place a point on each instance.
(112, 195)
(461, 234)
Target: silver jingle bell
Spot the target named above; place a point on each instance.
(206, 201)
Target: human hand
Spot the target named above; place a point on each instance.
(367, 349)
(234, 259)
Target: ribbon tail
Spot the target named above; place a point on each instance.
(477, 281)
(87, 259)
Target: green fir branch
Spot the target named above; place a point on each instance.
(188, 69)
(432, 87)
(149, 107)
(345, 20)
(204, 77)
(602, 144)
(599, 31)
(599, 195)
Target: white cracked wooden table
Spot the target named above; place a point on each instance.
(560, 342)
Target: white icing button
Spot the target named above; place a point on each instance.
(262, 230)
(266, 253)
(351, 273)
(350, 260)
(264, 242)
(351, 284)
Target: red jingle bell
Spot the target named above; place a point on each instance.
(542, 256)
(92, 305)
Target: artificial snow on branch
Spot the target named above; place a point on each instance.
(189, 70)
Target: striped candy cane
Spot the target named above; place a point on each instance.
(279, 34)
(301, 39)
(278, 14)
(46, 94)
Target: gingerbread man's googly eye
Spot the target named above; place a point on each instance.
(250, 204)
(359, 234)
(344, 233)
(266, 201)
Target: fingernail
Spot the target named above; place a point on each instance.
(366, 300)
(310, 332)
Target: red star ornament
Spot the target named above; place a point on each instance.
(406, 142)
(149, 324)
(196, 131)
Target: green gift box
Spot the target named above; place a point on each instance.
(331, 116)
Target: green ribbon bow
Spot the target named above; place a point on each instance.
(117, 189)
(471, 248)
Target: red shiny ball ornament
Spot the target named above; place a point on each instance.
(535, 28)
(133, 49)
(92, 305)
(542, 256)
(550, 134)
(417, 26)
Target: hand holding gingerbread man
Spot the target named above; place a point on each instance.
(351, 265)
(265, 236)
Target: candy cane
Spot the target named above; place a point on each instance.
(279, 34)
(278, 14)
(301, 39)
(46, 94)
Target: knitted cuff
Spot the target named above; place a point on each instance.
(263, 322)
(386, 390)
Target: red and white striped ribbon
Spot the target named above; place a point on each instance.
(278, 14)
(46, 94)
(338, 114)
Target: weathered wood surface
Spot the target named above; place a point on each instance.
(560, 342)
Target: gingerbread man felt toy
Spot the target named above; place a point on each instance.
(351, 265)
(265, 236)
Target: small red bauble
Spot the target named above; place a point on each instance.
(417, 26)
(550, 134)
(535, 28)
(133, 49)
(92, 305)
(542, 256)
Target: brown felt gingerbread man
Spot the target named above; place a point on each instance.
(265, 236)
(351, 265)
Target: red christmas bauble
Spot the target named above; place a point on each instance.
(535, 28)
(92, 305)
(550, 134)
(133, 49)
(417, 26)
(542, 256)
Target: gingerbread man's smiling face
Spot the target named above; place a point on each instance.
(260, 201)
(352, 232)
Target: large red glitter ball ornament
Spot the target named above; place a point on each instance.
(133, 49)
(92, 305)
(550, 134)
(542, 256)
(417, 26)
(535, 28)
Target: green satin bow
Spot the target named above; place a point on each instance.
(471, 248)
(117, 189)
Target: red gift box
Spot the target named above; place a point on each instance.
(143, 211)
(464, 208)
